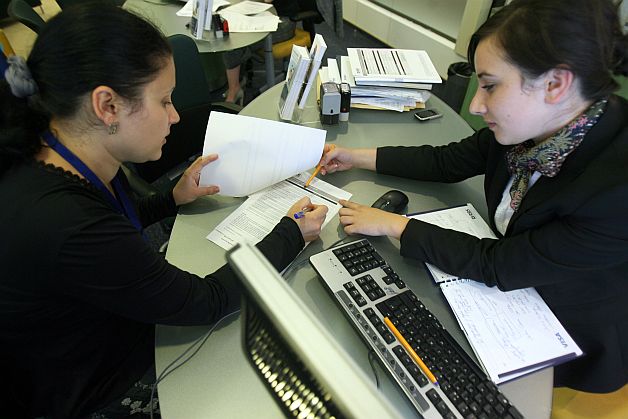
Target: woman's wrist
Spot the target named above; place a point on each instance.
(398, 227)
(365, 158)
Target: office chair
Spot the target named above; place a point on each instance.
(308, 19)
(63, 4)
(21, 11)
(192, 100)
(4, 4)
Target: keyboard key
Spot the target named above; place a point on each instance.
(433, 396)
(442, 408)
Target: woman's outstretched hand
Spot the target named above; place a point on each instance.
(360, 219)
(337, 159)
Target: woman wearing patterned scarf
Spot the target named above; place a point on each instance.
(555, 161)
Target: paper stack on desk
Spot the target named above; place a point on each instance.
(250, 16)
(259, 214)
(384, 78)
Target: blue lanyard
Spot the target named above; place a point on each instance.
(120, 201)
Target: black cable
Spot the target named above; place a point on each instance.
(166, 372)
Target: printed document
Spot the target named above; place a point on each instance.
(261, 22)
(259, 214)
(186, 11)
(512, 333)
(254, 153)
(248, 7)
(392, 65)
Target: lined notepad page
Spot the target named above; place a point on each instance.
(512, 333)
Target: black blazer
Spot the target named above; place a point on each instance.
(569, 238)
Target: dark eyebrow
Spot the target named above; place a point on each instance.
(482, 75)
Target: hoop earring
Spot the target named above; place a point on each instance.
(113, 128)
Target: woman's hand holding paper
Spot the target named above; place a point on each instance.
(188, 188)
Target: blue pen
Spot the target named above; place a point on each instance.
(301, 213)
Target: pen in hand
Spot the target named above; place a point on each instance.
(301, 213)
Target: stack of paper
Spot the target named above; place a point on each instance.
(267, 161)
(250, 16)
(259, 214)
(389, 79)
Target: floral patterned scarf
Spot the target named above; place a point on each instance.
(548, 156)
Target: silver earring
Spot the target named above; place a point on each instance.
(113, 128)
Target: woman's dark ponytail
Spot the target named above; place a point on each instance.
(20, 126)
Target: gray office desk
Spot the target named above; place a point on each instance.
(163, 14)
(218, 381)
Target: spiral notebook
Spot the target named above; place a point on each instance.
(512, 333)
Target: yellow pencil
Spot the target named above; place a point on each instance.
(318, 168)
(413, 354)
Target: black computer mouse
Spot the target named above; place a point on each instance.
(392, 201)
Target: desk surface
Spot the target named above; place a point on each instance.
(163, 14)
(218, 381)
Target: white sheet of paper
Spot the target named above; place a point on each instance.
(259, 214)
(254, 153)
(248, 7)
(186, 11)
(262, 22)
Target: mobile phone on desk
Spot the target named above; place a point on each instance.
(427, 114)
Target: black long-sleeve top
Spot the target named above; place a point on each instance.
(568, 239)
(80, 291)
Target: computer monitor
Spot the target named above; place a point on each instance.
(302, 366)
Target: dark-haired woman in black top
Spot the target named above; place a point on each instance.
(80, 290)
